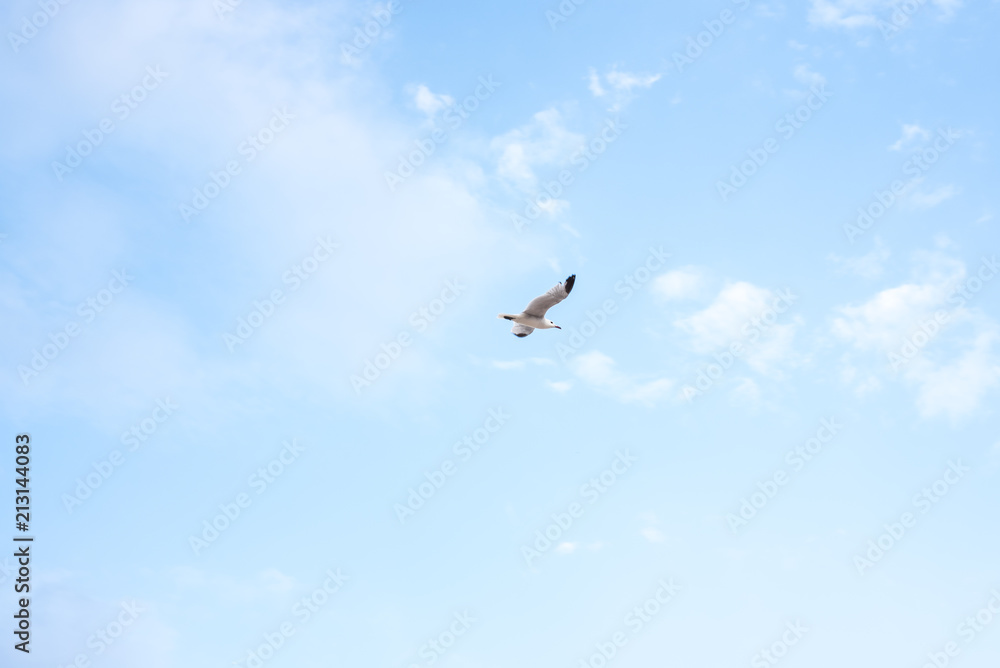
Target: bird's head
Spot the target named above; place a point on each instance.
(552, 324)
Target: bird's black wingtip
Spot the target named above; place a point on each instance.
(569, 283)
(520, 336)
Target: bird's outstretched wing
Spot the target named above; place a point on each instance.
(521, 330)
(539, 305)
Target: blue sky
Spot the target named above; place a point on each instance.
(765, 434)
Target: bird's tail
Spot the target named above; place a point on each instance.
(506, 316)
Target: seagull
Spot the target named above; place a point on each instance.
(533, 317)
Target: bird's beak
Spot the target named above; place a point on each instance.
(557, 326)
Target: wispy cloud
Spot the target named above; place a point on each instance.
(560, 386)
(869, 265)
(517, 365)
(911, 132)
(598, 370)
(842, 13)
(653, 535)
(684, 283)
(619, 85)
(806, 76)
(428, 102)
(542, 142)
(961, 364)
(851, 14)
(927, 200)
(956, 388)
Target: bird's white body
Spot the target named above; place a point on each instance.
(530, 321)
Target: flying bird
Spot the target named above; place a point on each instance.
(533, 317)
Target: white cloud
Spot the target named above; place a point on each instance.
(947, 7)
(598, 370)
(931, 199)
(868, 385)
(721, 322)
(869, 265)
(842, 13)
(747, 393)
(595, 84)
(954, 371)
(956, 389)
(650, 532)
(993, 458)
(626, 81)
(944, 241)
(567, 547)
(560, 386)
(505, 365)
(275, 581)
(647, 393)
(849, 376)
(653, 535)
(911, 132)
(553, 207)
(430, 103)
(851, 14)
(542, 142)
(804, 75)
(773, 351)
(737, 315)
(683, 283)
(881, 322)
(620, 83)
(594, 367)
